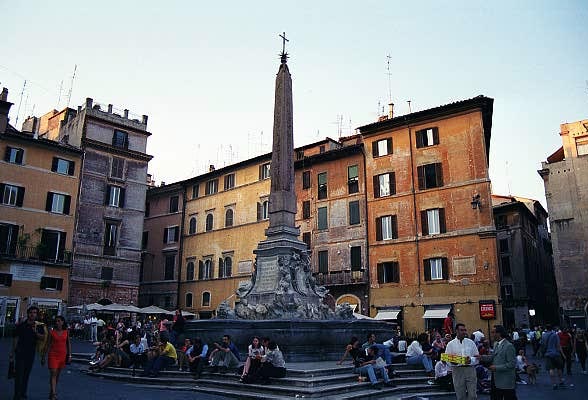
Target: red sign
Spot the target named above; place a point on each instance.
(487, 309)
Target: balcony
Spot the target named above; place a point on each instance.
(342, 278)
(39, 253)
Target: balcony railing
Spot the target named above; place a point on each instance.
(342, 278)
(37, 253)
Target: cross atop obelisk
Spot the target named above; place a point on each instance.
(284, 55)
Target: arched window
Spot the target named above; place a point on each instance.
(190, 271)
(205, 299)
(209, 222)
(229, 218)
(227, 267)
(192, 226)
(265, 214)
(188, 300)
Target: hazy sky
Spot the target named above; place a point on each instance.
(204, 71)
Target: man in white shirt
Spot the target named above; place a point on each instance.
(93, 328)
(464, 375)
(478, 336)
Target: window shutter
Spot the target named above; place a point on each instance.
(379, 228)
(2, 186)
(305, 179)
(392, 182)
(66, 205)
(442, 226)
(259, 211)
(427, 270)
(424, 223)
(221, 268)
(395, 272)
(49, 201)
(306, 209)
(43, 282)
(8, 280)
(126, 140)
(375, 149)
(394, 221)
(71, 167)
(389, 145)
(107, 195)
(419, 139)
(439, 174)
(376, 186)
(200, 270)
(13, 243)
(445, 268)
(211, 276)
(165, 235)
(59, 284)
(228, 269)
(20, 196)
(260, 173)
(421, 177)
(435, 135)
(7, 154)
(176, 233)
(380, 273)
(121, 200)
(62, 236)
(19, 155)
(54, 164)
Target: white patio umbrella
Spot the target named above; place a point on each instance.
(154, 310)
(94, 307)
(187, 314)
(120, 307)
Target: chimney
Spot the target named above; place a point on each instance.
(4, 110)
(89, 102)
(211, 168)
(110, 109)
(391, 110)
(144, 120)
(126, 113)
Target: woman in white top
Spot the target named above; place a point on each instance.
(415, 354)
(255, 351)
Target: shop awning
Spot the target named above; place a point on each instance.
(387, 314)
(437, 313)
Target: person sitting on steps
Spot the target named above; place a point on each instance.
(224, 355)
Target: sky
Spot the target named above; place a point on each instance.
(204, 71)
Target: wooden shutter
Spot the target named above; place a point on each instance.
(126, 140)
(392, 182)
(435, 135)
(211, 276)
(394, 223)
(380, 268)
(375, 149)
(165, 235)
(54, 164)
(427, 265)
(59, 285)
(7, 154)
(121, 199)
(395, 272)
(49, 201)
(260, 172)
(107, 195)
(259, 211)
(442, 226)
(305, 179)
(43, 282)
(306, 209)
(221, 264)
(439, 174)
(66, 205)
(71, 167)
(19, 154)
(2, 187)
(379, 228)
(389, 145)
(176, 233)
(376, 186)
(20, 196)
(421, 177)
(445, 268)
(200, 270)
(424, 223)
(419, 139)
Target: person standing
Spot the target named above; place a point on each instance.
(22, 351)
(503, 365)
(581, 349)
(58, 355)
(448, 323)
(464, 374)
(554, 357)
(93, 328)
(566, 342)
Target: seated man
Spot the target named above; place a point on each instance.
(383, 351)
(368, 365)
(224, 355)
(167, 357)
(138, 353)
(443, 376)
(197, 357)
(416, 355)
(272, 366)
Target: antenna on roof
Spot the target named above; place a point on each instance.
(389, 81)
(409, 107)
(59, 94)
(73, 77)
(20, 102)
(507, 170)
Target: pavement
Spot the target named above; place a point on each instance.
(74, 384)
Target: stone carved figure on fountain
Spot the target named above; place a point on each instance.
(344, 311)
(224, 311)
(285, 283)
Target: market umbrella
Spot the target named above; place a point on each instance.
(187, 314)
(154, 310)
(120, 307)
(94, 307)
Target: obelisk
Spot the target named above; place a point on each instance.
(282, 285)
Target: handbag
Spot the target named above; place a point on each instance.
(11, 370)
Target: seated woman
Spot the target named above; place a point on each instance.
(182, 358)
(167, 357)
(255, 351)
(415, 354)
(197, 357)
(272, 365)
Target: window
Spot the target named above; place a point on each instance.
(433, 221)
(188, 300)
(436, 269)
(306, 238)
(195, 191)
(229, 217)
(171, 234)
(52, 247)
(384, 184)
(430, 176)
(5, 280)
(505, 261)
(225, 267)
(49, 283)
(353, 179)
(299, 154)
(211, 187)
(503, 245)
(170, 264)
(582, 147)
(192, 227)
(145, 240)
(229, 181)
(61, 166)
(305, 179)
(205, 269)
(263, 210)
(355, 255)
(322, 185)
(427, 137)
(382, 147)
(354, 212)
(507, 292)
(323, 222)
(387, 227)
(388, 272)
(110, 238)
(205, 299)
(8, 238)
(13, 155)
(147, 209)
(12, 195)
(264, 171)
(323, 262)
(209, 222)
(501, 221)
(106, 273)
(117, 167)
(115, 196)
(120, 139)
(58, 203)
(190, 271)
(306, 209)
(174, 204)
(322, 149)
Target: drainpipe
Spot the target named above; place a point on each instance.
(181, 249)
(367, 238)
(414, 204)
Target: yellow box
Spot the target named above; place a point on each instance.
(454, 358)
